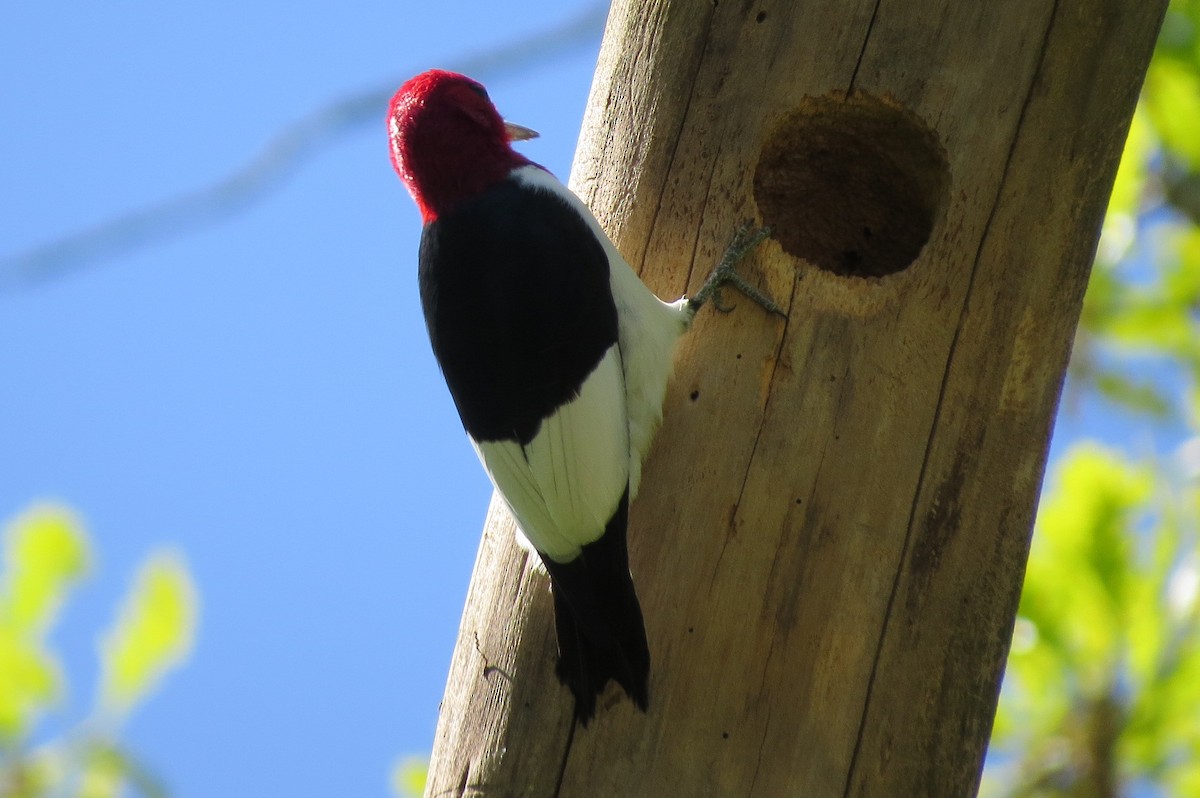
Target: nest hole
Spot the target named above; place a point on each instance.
(852, 185)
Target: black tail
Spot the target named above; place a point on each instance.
(601, 634)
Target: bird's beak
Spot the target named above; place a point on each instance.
(519, 132)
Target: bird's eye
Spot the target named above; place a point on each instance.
(480, 90)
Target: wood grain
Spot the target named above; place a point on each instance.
(834, 521)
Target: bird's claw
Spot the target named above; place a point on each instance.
(719, 304)
(745, 239)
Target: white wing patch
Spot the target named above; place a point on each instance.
(565, 484)
(648, 331)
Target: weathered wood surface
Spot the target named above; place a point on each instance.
(834, 521)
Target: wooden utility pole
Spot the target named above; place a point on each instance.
(834, 521)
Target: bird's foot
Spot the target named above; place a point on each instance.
(745, 239)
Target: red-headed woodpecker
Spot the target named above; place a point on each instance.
(556, 354)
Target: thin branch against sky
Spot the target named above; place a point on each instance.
(279, 159)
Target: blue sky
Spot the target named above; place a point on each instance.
(258, 393)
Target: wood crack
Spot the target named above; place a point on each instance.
(763, 743)
(562, 767)
(687, 108)
(923, 472)
(703, 211)
(758, 434)
(862, 53)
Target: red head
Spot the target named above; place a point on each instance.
(448, 141)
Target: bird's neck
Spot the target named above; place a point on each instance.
(444, 184)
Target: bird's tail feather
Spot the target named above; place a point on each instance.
(601, 635)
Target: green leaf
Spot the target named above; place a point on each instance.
(1178, 37)
(409, 776)
(1138, 395)
(46, 553)
(29, 684)
(1102, 300)
(103, 774)
(1152, 322)
(1081, 541)
(1182, 283)
(108, 770)
(1172, 98)
(1131, 174)
(154, 632)
(1185, 779)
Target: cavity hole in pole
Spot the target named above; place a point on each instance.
(853, 185)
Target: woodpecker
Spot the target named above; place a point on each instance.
(555, 353)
